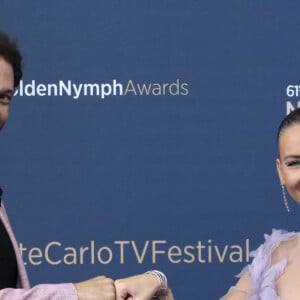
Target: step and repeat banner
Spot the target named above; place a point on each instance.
(143, 136)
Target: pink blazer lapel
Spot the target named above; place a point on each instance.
(23, 281)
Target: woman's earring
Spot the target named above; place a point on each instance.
(286, 204)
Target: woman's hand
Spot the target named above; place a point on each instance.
(140, 287)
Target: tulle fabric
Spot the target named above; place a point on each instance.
(262, 274)
(263, 271)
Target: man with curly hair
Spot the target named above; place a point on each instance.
(14, 283)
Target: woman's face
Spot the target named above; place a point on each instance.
(288, 164)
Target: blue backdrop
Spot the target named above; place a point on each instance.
(143, 136)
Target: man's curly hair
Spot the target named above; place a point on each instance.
(10, 52)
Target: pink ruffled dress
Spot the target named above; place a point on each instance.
(274, 273)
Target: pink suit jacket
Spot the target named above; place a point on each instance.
(64, 291)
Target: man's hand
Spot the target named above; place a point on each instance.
(98, 288)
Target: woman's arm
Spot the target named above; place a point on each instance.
(240, 291)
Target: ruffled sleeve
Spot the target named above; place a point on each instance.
(262, 274)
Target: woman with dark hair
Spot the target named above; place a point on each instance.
(275, 270)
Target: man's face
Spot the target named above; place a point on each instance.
(6, 89)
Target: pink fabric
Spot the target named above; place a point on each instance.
(64, 291)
